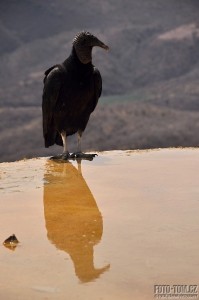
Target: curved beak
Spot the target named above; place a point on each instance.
(105, 47)
(102, 45)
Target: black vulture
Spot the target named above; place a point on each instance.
(71, 92)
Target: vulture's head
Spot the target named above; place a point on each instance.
(83, 44)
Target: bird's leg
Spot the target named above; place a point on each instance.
(79, 153)
(65, 154)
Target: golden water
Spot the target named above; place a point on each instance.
(107, 229)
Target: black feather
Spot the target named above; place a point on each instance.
(71, 92)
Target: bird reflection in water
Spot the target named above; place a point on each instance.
(73, 221)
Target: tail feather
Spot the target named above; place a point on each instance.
(58, 140)
(49, 138)
(52, 138)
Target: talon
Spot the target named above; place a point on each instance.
(63, 156)
(82, 155)
(56, 157)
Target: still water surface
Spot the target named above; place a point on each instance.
(107, 229)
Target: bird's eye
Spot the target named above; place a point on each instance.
(84, 41)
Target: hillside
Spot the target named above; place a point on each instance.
(153, 63)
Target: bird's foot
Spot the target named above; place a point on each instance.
(63, 156)
(82, 155)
